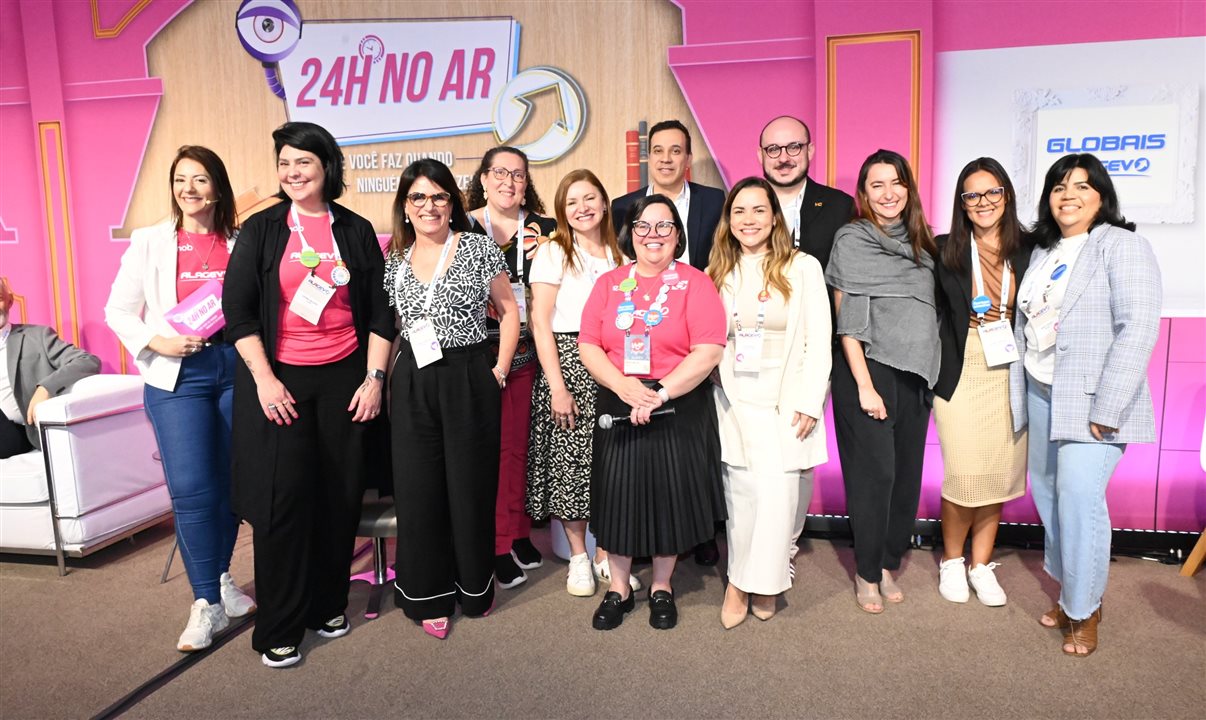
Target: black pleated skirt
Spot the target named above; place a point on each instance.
(656, 489)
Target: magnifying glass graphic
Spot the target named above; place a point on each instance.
(269, 30)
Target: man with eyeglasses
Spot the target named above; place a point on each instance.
(813, 211)
(699, 206)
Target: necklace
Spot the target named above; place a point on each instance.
(212, 244)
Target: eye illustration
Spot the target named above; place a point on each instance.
(268, 29)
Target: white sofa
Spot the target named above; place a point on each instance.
(105, 478)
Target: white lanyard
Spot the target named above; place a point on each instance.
(301, 234)
(519, 251)
(435, 275)
(978, 274)
(763, 297)
(587, 261)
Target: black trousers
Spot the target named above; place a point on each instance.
(445, 425)
(13, 440)
(881, 462)
(303, 556)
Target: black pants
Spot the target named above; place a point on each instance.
(881, 462)
(13, 440)
(445, 425)
(303, 556)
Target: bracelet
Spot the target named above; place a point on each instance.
(502, 376)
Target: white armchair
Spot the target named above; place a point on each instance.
(97, 480)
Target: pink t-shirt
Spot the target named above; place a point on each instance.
(193, 253)
(334, 337)
(694, 316)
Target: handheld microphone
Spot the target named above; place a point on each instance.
(606, 422)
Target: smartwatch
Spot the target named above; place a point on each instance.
(376, 374)
(662, 392)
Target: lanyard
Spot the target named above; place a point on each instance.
(306, 247)
(519, 253)
(657, 311)
(763, 297)
(435, 275)
(978, 274)
(586, 259)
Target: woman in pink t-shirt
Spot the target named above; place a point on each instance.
(651, 333)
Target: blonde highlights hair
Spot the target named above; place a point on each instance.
(726, 249)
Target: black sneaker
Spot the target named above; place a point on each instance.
(281, 657)
(663, 613)
(337, 626)
(612, 610)
(507, 572)
(526, 555)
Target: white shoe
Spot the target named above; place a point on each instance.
(204, 621)
(603, 572)
(988, 590)
(236, 602)
(580, 582)
(952, 580)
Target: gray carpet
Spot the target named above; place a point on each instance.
(69, 647)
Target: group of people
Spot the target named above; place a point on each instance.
(642, 377)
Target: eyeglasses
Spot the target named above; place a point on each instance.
(793, 149)
(640, 228)
(418, 199)
(993, 195)
(501, 173)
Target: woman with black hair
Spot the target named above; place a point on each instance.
(882, 274)
(984, 460)
(505, 207)
(307, 312)
(445, 398)
(1089, 320)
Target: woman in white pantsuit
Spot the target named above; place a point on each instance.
(771, 391)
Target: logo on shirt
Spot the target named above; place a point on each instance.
(296, 257)
(202, 275)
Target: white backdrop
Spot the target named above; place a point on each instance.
(974, 116)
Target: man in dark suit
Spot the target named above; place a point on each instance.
(813, 211)
(698, 205)
(35, 364)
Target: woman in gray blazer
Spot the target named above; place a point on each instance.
(1089, 318)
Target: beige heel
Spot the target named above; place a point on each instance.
(764, 606)
(867, 596)
(734, 598)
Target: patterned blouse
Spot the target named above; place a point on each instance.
(458, 307)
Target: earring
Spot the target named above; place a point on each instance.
(405, 219)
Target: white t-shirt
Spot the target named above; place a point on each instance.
(575, 286)
(8, 401)
(1039, 281)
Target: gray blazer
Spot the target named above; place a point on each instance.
(1108, 327)
(38, 356)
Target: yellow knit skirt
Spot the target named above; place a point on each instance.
(984, 461)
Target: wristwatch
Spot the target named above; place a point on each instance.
(662, 392)
(376, 374)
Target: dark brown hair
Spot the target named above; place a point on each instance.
(955, 252)
(225, 218)
(920, 236)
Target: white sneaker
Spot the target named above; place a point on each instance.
(984, 580)
(580, 582)
(236, 602)
(952, 580)
(603, 572)
(204, 621)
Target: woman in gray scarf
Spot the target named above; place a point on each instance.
(881, 271)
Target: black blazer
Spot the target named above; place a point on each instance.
(251, 304)
(707, 203)
(954, 296)
(822, 211)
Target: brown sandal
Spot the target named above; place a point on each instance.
(1054, 618)
(1082, 633)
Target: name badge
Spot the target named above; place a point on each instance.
(424, 343)
(748, 350)
(1000, 347)
(1045, 320)
(636, 354)
(521, 299)
(311, 297)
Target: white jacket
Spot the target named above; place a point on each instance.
(142, 293)
(804, 381)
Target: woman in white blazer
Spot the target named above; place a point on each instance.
(189, 377)
(771, 392)
(1088, 322)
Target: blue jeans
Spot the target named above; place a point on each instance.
(1068, 482)
(192, 426)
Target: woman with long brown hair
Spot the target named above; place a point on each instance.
(882, 274)
(773, 378)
